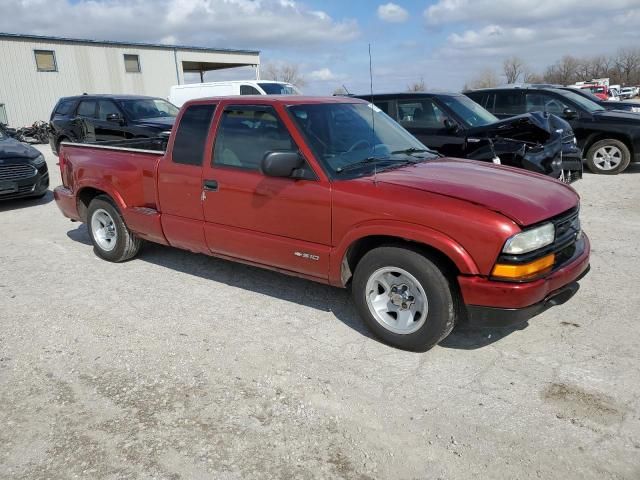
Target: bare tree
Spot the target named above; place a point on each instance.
(513, 68)
(627, 63)
(283, 72)
(585, 69)
(531, 77)
(485, 79)
(601, 65)
(417, 86)
(564, 71)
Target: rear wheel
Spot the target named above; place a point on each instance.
(608, 157)
(110, 236)
(404, 298)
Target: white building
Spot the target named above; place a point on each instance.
(35, 71)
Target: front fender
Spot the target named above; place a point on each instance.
(405, 231)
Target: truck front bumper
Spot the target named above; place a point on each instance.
(493, 303)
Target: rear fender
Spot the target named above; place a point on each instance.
(402, 231)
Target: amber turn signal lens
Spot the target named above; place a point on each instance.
(524, 271)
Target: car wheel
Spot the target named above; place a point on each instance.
(608, 157)
(110, 236)
(404, 298)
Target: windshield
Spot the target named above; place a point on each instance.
(585, 103)
(472, 114)
(143, 108)
(343, 135)
(278, 89)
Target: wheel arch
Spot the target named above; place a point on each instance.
(451, 256)
(87, 193)
(598, 136)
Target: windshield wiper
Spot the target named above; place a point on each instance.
(411, 150)
(368, 160)
(360, 163)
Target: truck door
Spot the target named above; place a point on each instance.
(180, 179)
(280, 222)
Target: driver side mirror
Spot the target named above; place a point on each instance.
(569, 113)
(450, 126)
(115, 117)
(281, 164)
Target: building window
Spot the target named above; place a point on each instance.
(46, 60)
(131, 63)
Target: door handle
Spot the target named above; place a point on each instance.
(210, 185)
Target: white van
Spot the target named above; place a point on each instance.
(179, 94)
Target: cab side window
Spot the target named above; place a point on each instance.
(106, 108)
(509, 103)
(191, 136)
(422, 113)
(87, 108)
(248, 90)
(246, 134)
(542, 102)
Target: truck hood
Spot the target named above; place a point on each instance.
(161, 123)
(11, 148)
(531, 127)
(614, 116)
(524, 197)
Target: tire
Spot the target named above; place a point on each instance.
(378, 290)
(608, 157)
(110, 236)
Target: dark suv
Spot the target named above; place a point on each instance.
(610, 139)
(93, 118)
(456, 126)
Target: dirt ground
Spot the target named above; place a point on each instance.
(181, 366)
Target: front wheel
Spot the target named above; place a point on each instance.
(404, 298)
(608, 157)
(110, 236)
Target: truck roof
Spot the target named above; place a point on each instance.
(282, 99)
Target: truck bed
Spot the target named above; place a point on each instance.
(154, 144)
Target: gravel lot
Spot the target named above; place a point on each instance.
(181, 366)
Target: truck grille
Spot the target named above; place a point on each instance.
(12, 173)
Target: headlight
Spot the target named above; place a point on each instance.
(635, 109)
(575, 140)
(530, 240)
(38, 161)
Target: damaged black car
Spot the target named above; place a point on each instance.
(456, 126)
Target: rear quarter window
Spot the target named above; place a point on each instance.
(65, 107)
(191, 136)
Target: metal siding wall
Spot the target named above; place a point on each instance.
(30, 95)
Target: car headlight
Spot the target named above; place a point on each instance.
(38, 161)
(530, 240)
(635, 109)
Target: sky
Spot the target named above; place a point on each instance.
(443, 42)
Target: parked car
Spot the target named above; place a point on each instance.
(23, 170)
(456, 126)
(94, 118)
(622, 105)
(610, 139)
(335, 191)
(627, 92)
(179, 94)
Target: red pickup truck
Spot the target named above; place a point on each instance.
(333, 190)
